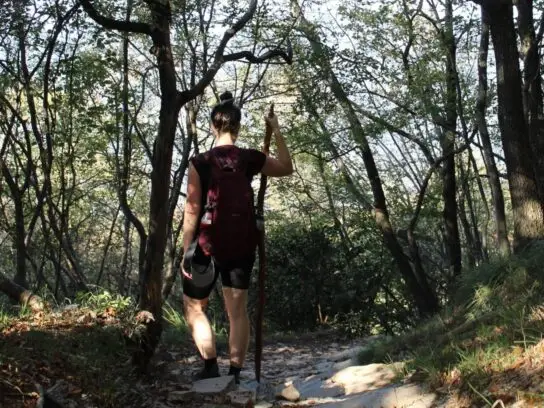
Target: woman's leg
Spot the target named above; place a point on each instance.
(236, 305)
(200, 327)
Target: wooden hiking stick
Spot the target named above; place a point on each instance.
(262, 255)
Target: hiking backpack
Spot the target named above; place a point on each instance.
(228, 229)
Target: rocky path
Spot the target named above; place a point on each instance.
(314, 372)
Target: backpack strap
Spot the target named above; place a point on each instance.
(204, 172)
(210, 163)
(244, 160)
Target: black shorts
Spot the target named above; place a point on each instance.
(234, 274)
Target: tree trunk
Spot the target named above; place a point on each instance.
(447, 143)
(127, 159)
(20, 277)
(470, 239)
(45, 149)
(107, 248)
(21, 274)
(151, 279)
(479, 234)
(422, 294)
(489, 159)
(532, 87)
(126, 258)
(526, 206)
(172, 268)
(21, 295)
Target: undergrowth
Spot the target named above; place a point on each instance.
(5, 317)
(102, 301)
(83, 342)
(176, 330)
(493, 326)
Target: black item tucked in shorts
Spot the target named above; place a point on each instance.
(234, 274)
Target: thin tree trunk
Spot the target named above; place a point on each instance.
(469, 237)
(478, 250)
(172, 268)
(487, 149)
(151, 277)
(20, 277)
(447, 142)
(481, 236)
(526, 205)
(127, 155)
(107, 248)
(125, 267)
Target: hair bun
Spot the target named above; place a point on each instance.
(226, 98)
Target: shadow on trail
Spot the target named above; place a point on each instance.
(91, 361)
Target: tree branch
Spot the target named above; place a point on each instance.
(286, 55)
(220, 58)
(492, 3)
(540, 31)
(112, 24)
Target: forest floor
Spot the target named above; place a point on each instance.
(79, 354)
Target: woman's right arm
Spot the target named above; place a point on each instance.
(191, 212)
(282, 165)
(192, 207)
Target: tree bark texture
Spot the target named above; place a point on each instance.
(526, 205)
(532, 87)
(447, 143)
(497, 195)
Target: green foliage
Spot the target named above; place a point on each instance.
(176, 331)
(174, 318)
(9, 312)
(5, 318)
(308, 266)
(24, 311)
(103, 300)
(353, 323)
(503, 284)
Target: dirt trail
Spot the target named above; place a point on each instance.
(308, 371)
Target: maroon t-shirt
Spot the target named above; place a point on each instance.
(227, 156)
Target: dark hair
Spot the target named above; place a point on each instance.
(226, 116)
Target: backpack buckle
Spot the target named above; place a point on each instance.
(209, 207)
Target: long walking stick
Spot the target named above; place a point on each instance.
(262, 256)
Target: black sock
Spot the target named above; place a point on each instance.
(210, 363)
(235, 371)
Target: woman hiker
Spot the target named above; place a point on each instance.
(220, 231)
